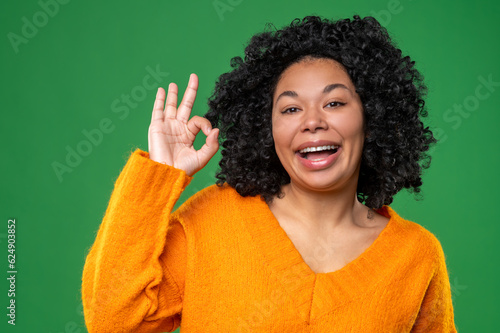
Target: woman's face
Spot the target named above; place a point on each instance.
(317, 125)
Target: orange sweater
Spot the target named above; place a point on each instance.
(222, 263)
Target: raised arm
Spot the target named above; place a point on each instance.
(132, 279)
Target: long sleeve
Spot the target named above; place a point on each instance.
(127, 284)
(436, 312)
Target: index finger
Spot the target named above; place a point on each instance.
(187, 103)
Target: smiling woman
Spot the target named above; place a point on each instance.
(324, 110)
(297, 235)
(318, 131)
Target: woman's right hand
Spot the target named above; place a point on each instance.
(171, 133)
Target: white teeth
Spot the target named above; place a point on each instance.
(320, 148)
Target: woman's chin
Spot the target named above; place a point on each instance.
(316, 185)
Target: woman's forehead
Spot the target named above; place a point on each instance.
(311, 72)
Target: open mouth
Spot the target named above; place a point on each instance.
(317, 153)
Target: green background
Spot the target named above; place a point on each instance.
(73, 71)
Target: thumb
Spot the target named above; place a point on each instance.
(208, 150)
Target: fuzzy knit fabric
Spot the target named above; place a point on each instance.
(222, 263)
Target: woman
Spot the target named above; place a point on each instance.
(320, 128)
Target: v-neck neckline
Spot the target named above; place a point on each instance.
(316, 294)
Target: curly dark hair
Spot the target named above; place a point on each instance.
(390, 88)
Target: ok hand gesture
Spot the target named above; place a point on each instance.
(171, 133)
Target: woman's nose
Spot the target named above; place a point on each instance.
(313, 120)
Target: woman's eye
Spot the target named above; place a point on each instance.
(290, 110)
(335, 104)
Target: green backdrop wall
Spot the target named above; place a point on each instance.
(74, 67)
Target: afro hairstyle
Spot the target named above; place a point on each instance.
(390, 88)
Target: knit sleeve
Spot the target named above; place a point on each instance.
(436, 310)
(132, 279)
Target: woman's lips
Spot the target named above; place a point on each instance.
(317, 143)
(321, 163)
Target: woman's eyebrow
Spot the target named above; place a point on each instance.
(327, 89)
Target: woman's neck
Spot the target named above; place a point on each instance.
(320, 210)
